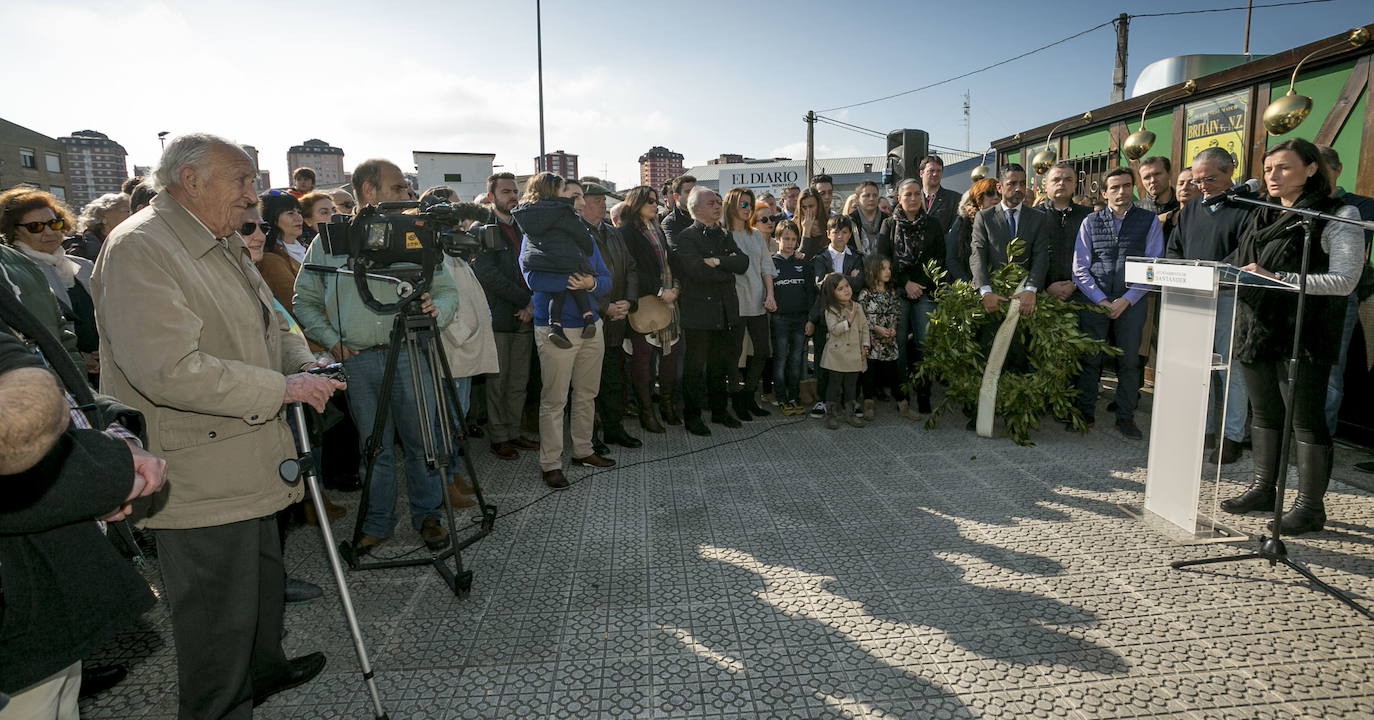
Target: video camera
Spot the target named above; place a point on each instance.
(406, 247)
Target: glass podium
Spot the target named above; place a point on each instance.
(1180, 498)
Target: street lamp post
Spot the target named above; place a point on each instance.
(539, 59)
(162, 139)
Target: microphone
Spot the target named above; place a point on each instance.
(1251, 186)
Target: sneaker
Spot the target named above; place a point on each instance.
(1127, 428)
(557, 337)
(855, 420)
(818, 410)
(859, 411)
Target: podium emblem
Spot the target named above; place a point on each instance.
(1149, 273)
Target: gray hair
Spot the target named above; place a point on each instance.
(698, 194)
(616, 210)
(189, 150)
(93, 215)
(904, 183)
(1222, 158)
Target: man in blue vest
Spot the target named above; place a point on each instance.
(1106, 238)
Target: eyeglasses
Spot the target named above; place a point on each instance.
(1202, 180)
(248, 228)
(34, 228)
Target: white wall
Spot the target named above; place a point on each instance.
(430, 169)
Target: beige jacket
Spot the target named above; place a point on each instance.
(188, 335)
(844, 343)
(468, 340)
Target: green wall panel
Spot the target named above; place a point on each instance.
(1324, 86)
(1090, 142)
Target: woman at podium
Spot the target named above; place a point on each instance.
(1272, 245)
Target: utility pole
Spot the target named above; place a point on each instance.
(1249, 8)
(539, 59)
(968, 123)
(1122, 23)
(810, 144)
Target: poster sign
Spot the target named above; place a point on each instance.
(1217, 122)
(770, 177)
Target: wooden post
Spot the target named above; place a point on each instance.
(1122, 23)
(810, 145)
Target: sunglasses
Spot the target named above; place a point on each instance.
(37, 227)
(766, 219)
(248, 228)
(992, 194)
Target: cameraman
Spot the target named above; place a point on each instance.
(332, 313)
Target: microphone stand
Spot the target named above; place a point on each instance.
(1272, 548)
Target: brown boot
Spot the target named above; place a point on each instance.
(334, 511)
(666, 408)
(457, 496)
(904, 410)
(870, 409)
(646, 410)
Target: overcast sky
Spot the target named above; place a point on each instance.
(702, 78)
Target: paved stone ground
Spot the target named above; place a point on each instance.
(787, 571)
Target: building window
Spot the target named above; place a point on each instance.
(27, 159)
(59, 191)
(453, 177)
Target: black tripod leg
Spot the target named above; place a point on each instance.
(373, 448)
(1328, 589)
(1213, 561)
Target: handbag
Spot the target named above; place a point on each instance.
(651, 315)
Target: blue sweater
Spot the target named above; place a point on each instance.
(544, 284)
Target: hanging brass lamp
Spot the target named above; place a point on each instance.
(983, 170)
(1139, 142)
(1045, 159)
(1288, 112)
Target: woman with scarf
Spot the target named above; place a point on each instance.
(33, 222)
(1272, 245)
(982, 195)
(644, 238)
(910, 239)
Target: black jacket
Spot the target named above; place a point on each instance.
(648, 268)
(676, 221)
(908, 263)
(499, 273)
(1064, 226)
(556, 239)
(945, 208)
(65, 588)
(624, 279)
(856, 241)
(707, 300)
(823, 265)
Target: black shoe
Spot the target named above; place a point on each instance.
(557, 337)
(600, 448)
(299, 591)
(475, 431)
(1228, 453)
(696, 426)
(96, 679)
(1314, 475)
(588, 326)
(739, 402)
(618, 436)
(1128, 429)
(555, 479)
(1111, 406)
(723, 417)
(302, 670)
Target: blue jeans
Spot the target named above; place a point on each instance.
(1335, 387)
(1237, 397)
(789, 352)
(462, 387)
(422, 485)
(913, 322)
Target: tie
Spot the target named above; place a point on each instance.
(1011, 221)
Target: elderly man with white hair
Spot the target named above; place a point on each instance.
(190, 338)
(706, 260)
(98, 218)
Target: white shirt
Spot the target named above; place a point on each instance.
(296, 251)
(837, 258)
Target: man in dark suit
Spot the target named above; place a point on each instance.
(996, 226)
(941, 202)
(1065, 217)
(706, 260)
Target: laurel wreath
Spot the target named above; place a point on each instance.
(955, 357)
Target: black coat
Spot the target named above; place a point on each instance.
(707, 300)
(499, 273)
(676, 221)
(556, 239)
(647, 265)
(823, 265)
(908, 264)
(65, 589)
(624, 279)
(1063, 231)
(945, 208)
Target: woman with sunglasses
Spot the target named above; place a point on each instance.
(32, 225)
(754, 291)
(644, 238)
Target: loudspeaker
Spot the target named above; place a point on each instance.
(905, 148)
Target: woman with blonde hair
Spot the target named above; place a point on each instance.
(754, 291)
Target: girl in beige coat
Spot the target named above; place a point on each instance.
(846, 350)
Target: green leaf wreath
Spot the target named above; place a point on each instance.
(955, 357)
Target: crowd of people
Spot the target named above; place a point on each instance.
(184, 300)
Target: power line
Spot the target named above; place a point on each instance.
(1061, 41)
(850, 126)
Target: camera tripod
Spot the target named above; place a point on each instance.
(292, 470)
(416, 333)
